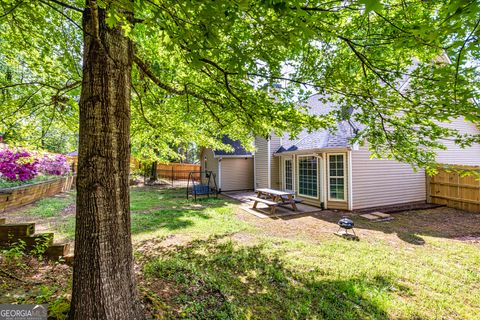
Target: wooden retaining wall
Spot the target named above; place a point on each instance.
(19, 196)
(453, 188)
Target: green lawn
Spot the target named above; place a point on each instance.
(211, 260)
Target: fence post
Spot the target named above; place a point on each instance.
(428, 188)
(172, 176)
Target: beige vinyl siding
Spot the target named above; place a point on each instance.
(276, 183)
(211, 163)
(261, 163)
(237, 174)
(456, 155)
(384, 182)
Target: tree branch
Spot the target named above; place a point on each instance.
(146, 70)
(65, 5)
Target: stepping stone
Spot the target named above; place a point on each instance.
(377, 216)
(380, 214)
(369, 216)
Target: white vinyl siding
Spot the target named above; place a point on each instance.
(384, 182)
(456, 155)
(237, 174)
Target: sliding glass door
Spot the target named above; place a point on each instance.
(308, 176)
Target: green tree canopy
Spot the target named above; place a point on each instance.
(208, 68)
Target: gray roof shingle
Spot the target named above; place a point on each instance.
(238, 149)
(321, 138)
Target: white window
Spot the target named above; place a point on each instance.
(307, 176)
(336, 176)
(288, 174)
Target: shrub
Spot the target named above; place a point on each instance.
(54, 164)
(17, 165)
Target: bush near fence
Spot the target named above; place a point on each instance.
(452, 187)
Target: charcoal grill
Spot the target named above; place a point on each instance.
(346, 224)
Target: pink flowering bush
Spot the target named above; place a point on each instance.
(54, 164)
(17, 165)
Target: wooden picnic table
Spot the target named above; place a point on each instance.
(273, 198)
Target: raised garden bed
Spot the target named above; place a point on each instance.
(15, 197)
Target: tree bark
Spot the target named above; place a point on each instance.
(153, 172)
(103, 277)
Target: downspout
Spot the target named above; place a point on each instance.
(294, 173)
(269, 163)
(325, 180)
(255, 170)
(220, 174)
(350, 182)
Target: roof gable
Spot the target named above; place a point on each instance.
(238, 149)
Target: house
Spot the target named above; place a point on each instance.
(325, 170)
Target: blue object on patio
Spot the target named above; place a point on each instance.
(201, 189)
(201, 183)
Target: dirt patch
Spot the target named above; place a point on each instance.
(472, 239)
(69, 210)
(407, 226)
(28, 280)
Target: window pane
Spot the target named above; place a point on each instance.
(307, 177)
(337, 176)
(288, 175)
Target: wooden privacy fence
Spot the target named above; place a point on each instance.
(451, 187)
(176, 171)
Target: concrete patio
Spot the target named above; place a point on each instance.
(263, 211)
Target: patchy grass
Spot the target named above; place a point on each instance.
(51, 207)
(155, 213)
(210, 260)
(337, 279)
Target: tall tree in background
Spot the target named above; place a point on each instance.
(200, 69)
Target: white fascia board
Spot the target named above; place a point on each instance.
(311, 151)
(233, 156)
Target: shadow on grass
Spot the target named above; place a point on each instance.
(172, 211)
(165, 219)
(216, 279)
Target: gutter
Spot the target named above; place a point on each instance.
(233, 156)
(309, 151)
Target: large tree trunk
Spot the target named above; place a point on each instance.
(103, 277)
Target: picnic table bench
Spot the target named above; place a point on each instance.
(274, 198)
